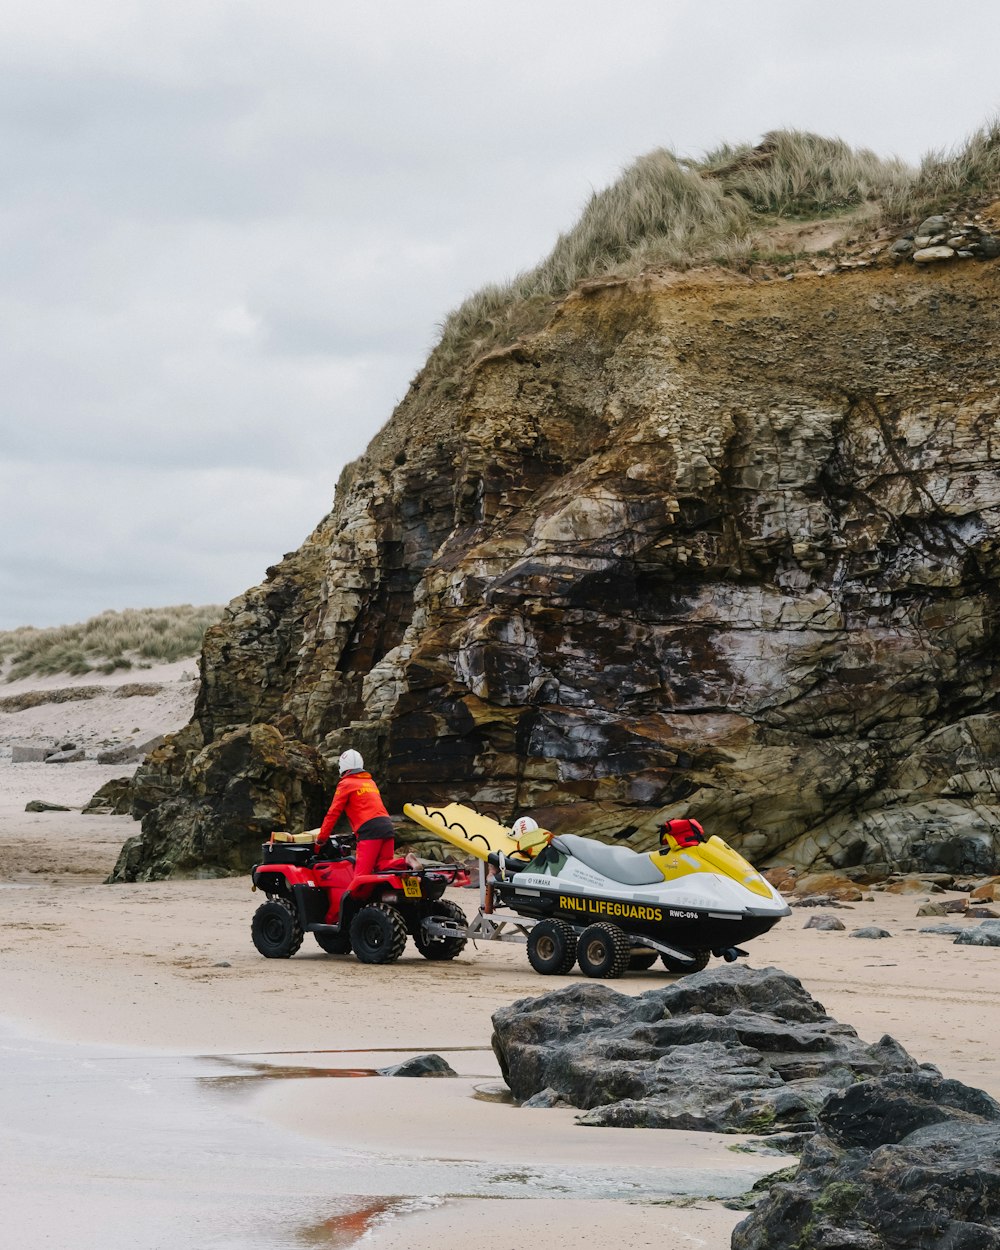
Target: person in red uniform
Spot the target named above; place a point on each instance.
(358, 796)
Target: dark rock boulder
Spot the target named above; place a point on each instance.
(720, 990)
(545, 1098)
(729, 1050)
(420, 1065)
(907, 1162)
(883, 1112)
(239, 789)
(114, 798)
(127, 752)
(986, 933)
(161, 776)
(40, 805)
(529, 1028)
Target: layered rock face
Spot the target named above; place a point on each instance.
(719, 547)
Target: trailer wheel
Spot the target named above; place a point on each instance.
(378, 934)
(639, 961)
(701, 959)
(334, 943)
(275, 929)
(603, 950)
(552, 947)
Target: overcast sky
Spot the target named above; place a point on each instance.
(231, 228)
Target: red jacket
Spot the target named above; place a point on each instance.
(358, 796)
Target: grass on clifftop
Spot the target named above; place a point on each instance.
(666, 213)
(113, 640)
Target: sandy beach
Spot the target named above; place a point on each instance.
(142, 976)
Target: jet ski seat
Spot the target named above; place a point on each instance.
(617, 863)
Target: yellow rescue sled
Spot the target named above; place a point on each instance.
(465, 829)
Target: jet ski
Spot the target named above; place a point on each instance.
(691, 898)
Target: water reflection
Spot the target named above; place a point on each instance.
(253, 1074)
(346, 1227)
(109, 1149)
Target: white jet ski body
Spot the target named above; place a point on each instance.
(699, 906)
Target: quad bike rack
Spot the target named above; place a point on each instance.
(486, 926)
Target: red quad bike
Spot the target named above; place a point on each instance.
(370, 915)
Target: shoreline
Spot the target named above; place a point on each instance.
(342, 1158)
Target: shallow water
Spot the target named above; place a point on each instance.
(109, 1149)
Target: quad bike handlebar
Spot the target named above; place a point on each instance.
(341, 846)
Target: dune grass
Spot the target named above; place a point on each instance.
(796, 175)
(656, 206)
(136, 637)
(969, 172)
(666, 213)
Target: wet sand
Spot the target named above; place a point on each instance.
(179, 1135)
(118, 1149)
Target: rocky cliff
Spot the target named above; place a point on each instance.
(712, 544)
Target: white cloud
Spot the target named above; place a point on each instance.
(118, 536)
(230, 230)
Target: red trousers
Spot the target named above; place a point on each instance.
(376, 853)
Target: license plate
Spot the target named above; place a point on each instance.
(411, 887)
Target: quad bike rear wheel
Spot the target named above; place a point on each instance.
(552, 947)
(603, 950)
(441, 947)
(378, 934)
(275, 929)
(701, 959)
(334, 943)
(639, 961)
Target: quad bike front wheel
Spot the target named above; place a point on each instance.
(701, 959)
(552, 947)
(275, 929)
(441, 947)
(603, 950)
(334, 943)
(378, 934)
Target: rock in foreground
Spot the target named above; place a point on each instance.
(732, 1050)
(908, 1162)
